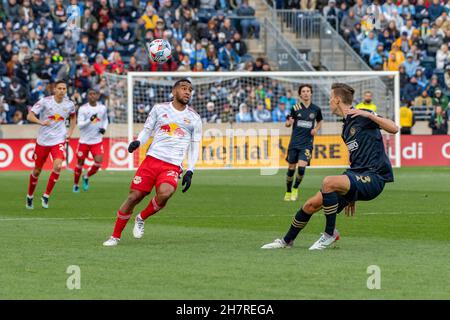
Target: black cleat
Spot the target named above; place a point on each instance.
(29, 204)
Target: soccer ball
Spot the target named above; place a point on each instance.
(159, 50)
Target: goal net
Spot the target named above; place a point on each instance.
(237, 132)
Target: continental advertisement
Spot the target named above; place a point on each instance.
(263, 150)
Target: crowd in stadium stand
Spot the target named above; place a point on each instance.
(44, 41)
(409, 36)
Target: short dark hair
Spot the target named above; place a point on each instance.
(176, 84)
(344, 91)
(304, 85)
(60, 81)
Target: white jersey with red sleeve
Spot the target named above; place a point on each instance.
(49, 110)
(174, 133)
(89, 129)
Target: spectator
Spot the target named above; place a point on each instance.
(433, 42)
(212, 60)
(239, 46)
(410, 65)
(360, 9)
(18, 117)
(403, 43)
(411, 90)
(377, 58)
(167, 13)
(406, 9)
(440, 99)
(435, 10)
(226, 116)
(246, 23)
(17, 96)
(188, 44)
(421, 11)
(244, 115)
(279, 114)
(4, 108)
(330, 12)
(308, 5)
(133, 65)
(227, 29)
(391, 64)
(288, 99)
(199, 55)
(438, 122)
(368, 46)
(421, 78)
(367, 102)
(388, 7)
(41, 9)
(349, 22)
(126, 38)
(149, 18)
(116, 64)
(210, 115)
(228, 58)
(407, 119)
(261, 114)
(424, 101)
(37, 93)
(442, 57)
(433, 85)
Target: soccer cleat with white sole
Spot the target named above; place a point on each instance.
(287, 196)
(76, 188)
(85, 183)
(111, 242)
(277, 244)
(29, 203)
(138, 230)
(325, 241)
(294, 194)
(44, 201)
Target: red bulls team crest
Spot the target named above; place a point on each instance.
(56, 117)
(172, 129)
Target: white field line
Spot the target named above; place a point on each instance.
(196, 217)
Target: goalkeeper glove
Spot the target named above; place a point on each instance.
(93, 117)
(187, 177)
(102, 130)
(133, 146)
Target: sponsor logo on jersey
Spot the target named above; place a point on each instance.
(172, 129)
(304, 124)
(312, 116)
(165, 116)
(56, 117)
(187, 121)
(352, 131)
(352, 145)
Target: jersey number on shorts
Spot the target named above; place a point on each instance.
(363, 179)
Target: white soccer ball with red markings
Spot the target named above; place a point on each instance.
(159, 50)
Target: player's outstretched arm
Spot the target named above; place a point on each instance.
(385, 124)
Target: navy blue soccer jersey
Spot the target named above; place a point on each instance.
(366, 148)
(304, 121)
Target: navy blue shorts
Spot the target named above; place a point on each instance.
(295, 155)
(364, 186)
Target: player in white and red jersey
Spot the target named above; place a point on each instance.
(92, 122)
(52, 112)
(177, 130)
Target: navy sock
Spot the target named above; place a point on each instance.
(289, 179)
(330, 206)
(298, 223)
(299, 177)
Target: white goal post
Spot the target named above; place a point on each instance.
(132, 96)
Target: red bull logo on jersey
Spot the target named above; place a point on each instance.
(56, 117)
(172, 129)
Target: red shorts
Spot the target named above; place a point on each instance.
(95, 149)
(153, 172)
(40, 155)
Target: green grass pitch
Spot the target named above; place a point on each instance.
(206, 243)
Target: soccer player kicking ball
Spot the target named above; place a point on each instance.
(306, 121)
(177, 129)
(52, 112)
(369, 170)
(92, 122)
